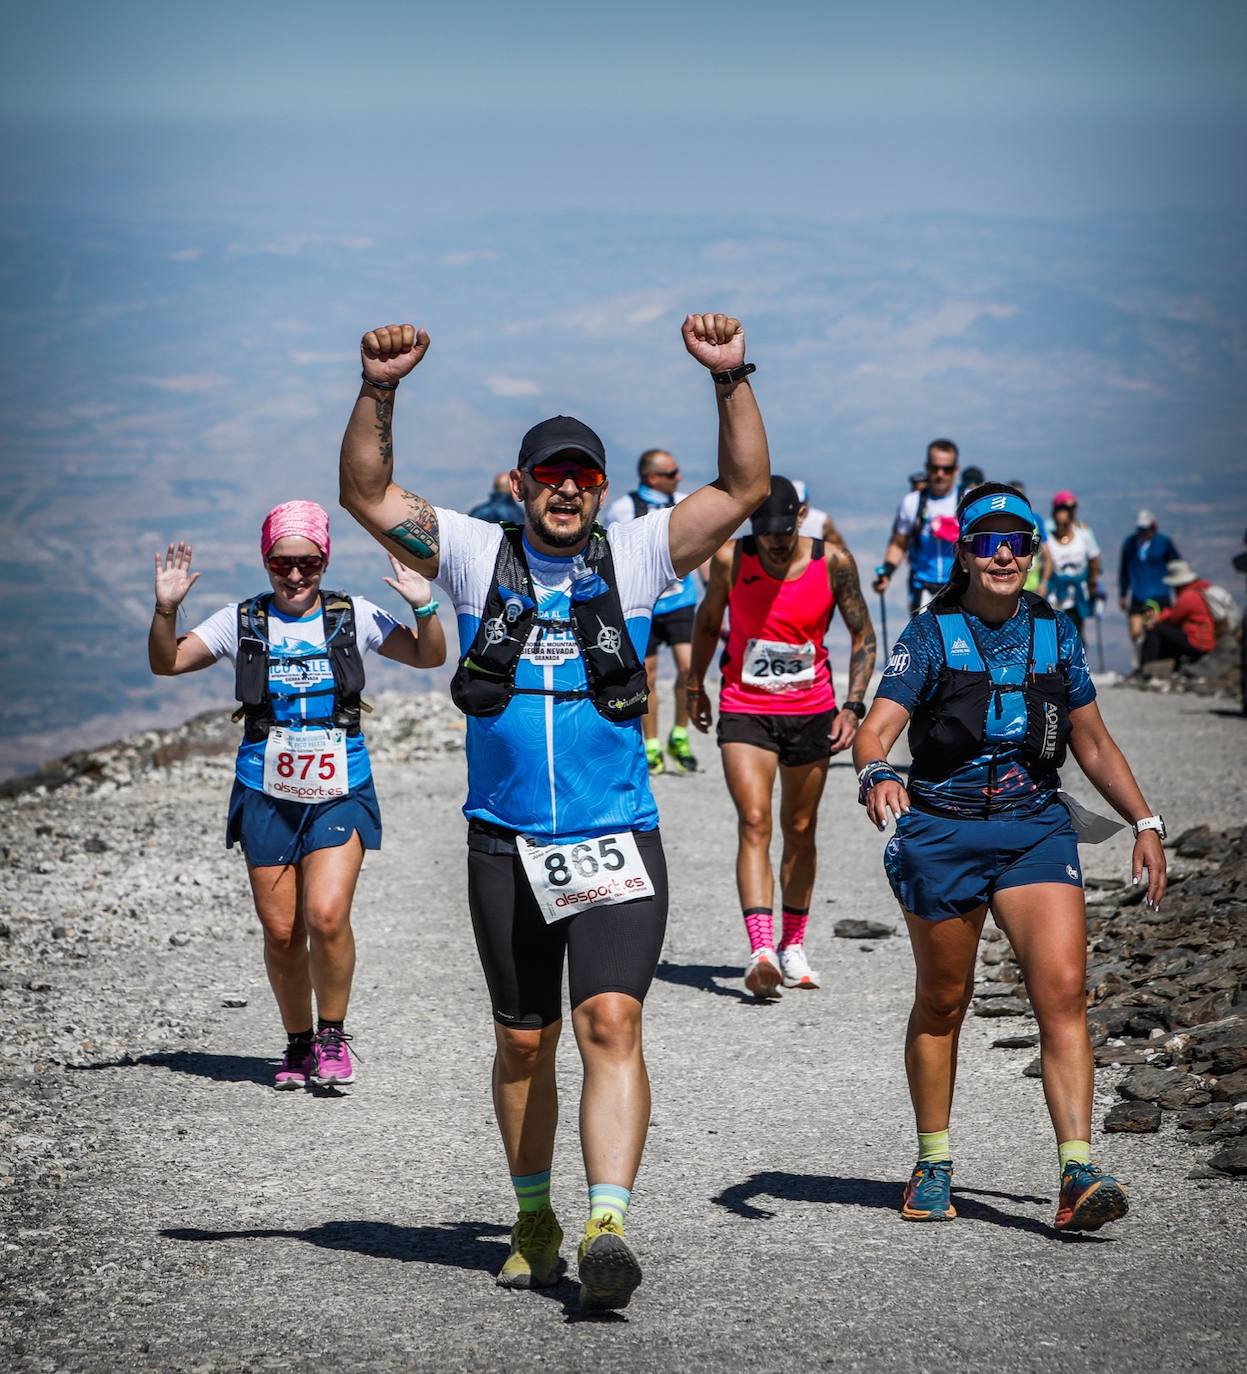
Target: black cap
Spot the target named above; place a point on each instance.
(561, 434)
(778, 513)
(972, 477)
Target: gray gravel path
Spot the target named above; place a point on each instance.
(164, 1209)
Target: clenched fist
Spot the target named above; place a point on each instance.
(390, 352)
(716, 341)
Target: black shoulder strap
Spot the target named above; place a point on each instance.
(816, 550)
(921, 518)
(748, 545)
(251, 667)
(640, 506)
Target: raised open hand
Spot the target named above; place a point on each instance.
(174, 577)
(415, 590)
(390, 351)
(716, 341)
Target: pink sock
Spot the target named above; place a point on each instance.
(760, 925)
(794, 926)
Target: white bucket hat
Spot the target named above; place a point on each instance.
(1179, 573)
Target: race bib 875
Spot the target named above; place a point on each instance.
(305, 765)
(567, 878)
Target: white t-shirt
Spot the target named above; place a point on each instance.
(300, 677)
(812, 525)
(1074, 558)
(552, 765)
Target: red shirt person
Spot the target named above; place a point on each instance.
(1186, 630)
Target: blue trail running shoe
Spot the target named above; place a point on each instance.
(1089, 1199)
(928, 1194)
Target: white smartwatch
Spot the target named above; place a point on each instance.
(1156, 823)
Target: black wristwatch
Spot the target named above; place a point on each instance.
(857, 707)
(735, 374)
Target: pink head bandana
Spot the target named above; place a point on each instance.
(296, 518)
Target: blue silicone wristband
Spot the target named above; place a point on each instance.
(423, 612)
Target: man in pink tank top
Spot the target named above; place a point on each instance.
(777, 711)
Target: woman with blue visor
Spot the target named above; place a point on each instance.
(993, 685)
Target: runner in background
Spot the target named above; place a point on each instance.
(1141, 587)
(1185, 631)
(659, 477)
(777, 712)
(971, 477)
(565, 860)
(1075, 554)
(925, 529)
(1040, 571)
(303, 808)
(815, 523)
(499, 505)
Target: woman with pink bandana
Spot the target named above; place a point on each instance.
(303, 808)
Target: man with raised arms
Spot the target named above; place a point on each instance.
(564, 854)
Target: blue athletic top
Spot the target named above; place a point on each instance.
(1143, 563)
(300, 680)
(1000, 770)
(547, 766)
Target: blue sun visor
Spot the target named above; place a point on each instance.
(997, 503)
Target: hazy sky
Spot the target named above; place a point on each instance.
(452, 111)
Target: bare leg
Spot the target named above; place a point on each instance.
(944, 963)
(801, 789)
(526, 1098)
(326, 888)
(615, 1100)
(275, 891)
(750, 774)
(683, 655)
(1047, 926)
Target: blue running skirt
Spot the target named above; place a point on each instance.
(272, 832)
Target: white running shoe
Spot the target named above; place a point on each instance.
(796, 968)
(762, 977)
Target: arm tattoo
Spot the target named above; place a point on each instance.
(385, 430)
(418, 534)
(848, 592)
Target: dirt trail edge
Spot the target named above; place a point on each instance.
(162, 1208)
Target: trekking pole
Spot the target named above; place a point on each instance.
(883, 621)
(1099, 631)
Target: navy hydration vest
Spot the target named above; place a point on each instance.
(976, 706)
(484, 682)
(251, 675)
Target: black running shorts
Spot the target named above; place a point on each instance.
(611, 949)
(797, 740)
(676, 627)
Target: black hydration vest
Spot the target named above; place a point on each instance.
(976, 704)
(640, 506)
(484, 682)
(252, 665)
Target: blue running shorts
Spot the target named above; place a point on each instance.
(272, 832)
(942, 866)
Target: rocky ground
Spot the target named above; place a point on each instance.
(164, 1209)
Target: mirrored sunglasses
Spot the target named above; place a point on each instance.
(985, 544)
(308, 564)
(555, 474)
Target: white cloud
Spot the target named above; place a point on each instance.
(293, 244)
(187, 383)
(502, 385)
(310, 357)
(465, 259)
(185, 255)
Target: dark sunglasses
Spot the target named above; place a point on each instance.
(555, 474)
(985, 545)
(674, 472)
(307, 564)
(937, 467)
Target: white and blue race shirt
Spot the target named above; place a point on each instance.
(683, 591)
(300, 680)
(553, 767)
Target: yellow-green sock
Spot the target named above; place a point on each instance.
(933, 1145)
(609, 1199)
(1074, 1151)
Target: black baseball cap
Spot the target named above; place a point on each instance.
(778, 513)
(561, 434)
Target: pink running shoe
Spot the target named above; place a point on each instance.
(296, 1067)
(332, 1067)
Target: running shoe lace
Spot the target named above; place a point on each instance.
(932, 1175)
(337, 1041)
(534, 1228)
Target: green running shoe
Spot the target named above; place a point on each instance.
(609, 1272)
(653, 757)
(534, 1259)
(681, 754)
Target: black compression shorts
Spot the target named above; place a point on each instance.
(798, 740)
(611, 949)
(676, 627)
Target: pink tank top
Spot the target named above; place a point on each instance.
(775, 663)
